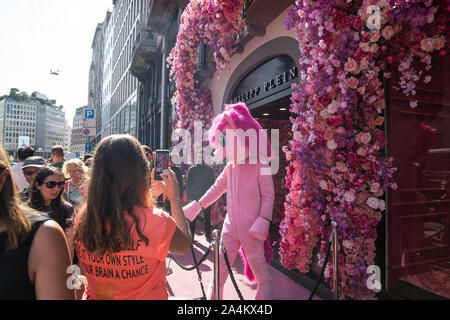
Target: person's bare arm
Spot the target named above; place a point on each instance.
(69, 232)
(48, 261)
(182, 238)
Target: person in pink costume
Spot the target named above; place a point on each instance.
(247, 180)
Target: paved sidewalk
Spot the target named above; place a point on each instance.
(184, 284)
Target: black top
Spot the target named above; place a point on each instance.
(199, 179)
(14, 281)
(62, 217)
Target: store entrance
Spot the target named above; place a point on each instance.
(275, 115)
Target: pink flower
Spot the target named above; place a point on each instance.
(352, 82)
(331, 144)
(363, 137)
(379, 121)
(374, 35)
(438, 43)
(427, 44)
(361, 152)
(375, 187)
(387, 32)
(364, 64)
(350, 65)
(341, 166)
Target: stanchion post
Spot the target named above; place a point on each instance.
(335, 262)
(216, 244)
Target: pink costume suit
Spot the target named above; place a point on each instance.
(247, 198)
(250, 198)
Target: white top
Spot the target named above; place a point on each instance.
(19, 179)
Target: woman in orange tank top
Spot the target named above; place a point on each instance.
(121, 239)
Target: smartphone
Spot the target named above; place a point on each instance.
(161, 162)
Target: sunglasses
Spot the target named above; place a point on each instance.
(29, 173)
(52, 184)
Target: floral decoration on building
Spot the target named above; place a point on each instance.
(336, 171)
(216, 23)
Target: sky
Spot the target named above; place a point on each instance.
(37, 36)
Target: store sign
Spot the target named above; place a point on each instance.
(271, 77)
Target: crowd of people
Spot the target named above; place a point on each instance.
(105, 213)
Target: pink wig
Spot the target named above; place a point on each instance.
(235, 116)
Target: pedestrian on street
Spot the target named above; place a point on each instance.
(30, 167)
(199, 179)
(16, 170)
(119, 232)
(77, 171)
(47, 196)
(34, 255)
(57, 157)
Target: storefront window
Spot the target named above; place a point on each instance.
(419, 210)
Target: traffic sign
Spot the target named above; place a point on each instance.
(89, 114)
(86, 132)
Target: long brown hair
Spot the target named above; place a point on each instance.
(120, 177)
(11, 210)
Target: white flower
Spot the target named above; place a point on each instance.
(323, 185)
(413, 104)
(297, 136)
(332, 107)
(349, 196)
(382, 205)
(373, 202)
(331, 144)
(347, 244)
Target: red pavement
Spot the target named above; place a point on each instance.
(184, 284)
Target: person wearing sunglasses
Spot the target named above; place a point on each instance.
(30, 166)
(47, 196)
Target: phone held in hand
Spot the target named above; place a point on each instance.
(161, 162)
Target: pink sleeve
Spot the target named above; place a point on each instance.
(216, 190)
(267, 195)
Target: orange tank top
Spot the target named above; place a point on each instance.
(138, 273)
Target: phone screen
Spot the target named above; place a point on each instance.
(161, 162)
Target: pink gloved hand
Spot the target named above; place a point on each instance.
(260, 228)
(192, 210)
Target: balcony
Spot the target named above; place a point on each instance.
(258, 14)
(162, 12)
(145, 50)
